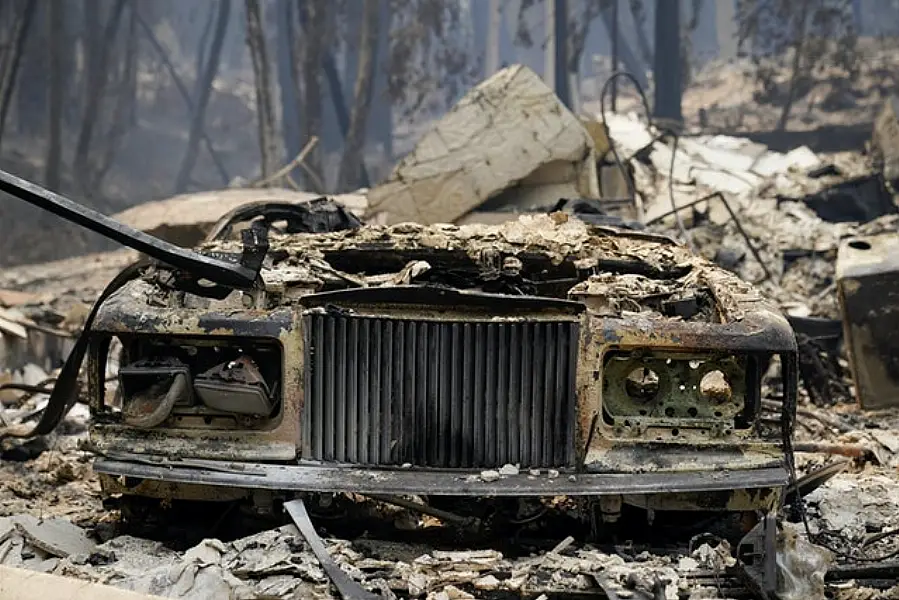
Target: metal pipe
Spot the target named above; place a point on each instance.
(425, 509)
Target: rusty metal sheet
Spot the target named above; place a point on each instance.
(868, 287)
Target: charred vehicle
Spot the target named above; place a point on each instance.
(542, 357)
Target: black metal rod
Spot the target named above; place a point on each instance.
(733, 216)
(215, 270)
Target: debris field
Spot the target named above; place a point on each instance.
(770, 272)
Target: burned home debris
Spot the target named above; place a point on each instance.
(525, 368)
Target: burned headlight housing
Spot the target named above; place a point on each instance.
(669, 394)
(208, 383)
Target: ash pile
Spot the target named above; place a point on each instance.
(813, 232)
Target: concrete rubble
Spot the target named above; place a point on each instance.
(277, 564)
(508, 139)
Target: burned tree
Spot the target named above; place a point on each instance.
(204, 90)
(120, 117)
(56, 16)
(97, 80)
(796, 37)
(268, 144)
(428, 64)
(310, 49)
(667, 65)
(351, 171)
(12, 58)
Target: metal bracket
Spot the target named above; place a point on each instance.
(756, 558)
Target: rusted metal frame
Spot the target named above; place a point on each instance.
(279, 442)
(126, 315)
(431, 296)
(399, 482)
(755, 333)
(733, 216)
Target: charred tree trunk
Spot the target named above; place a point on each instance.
(31, 89)
(667, 68)
(639, 15)
(132, 68)
(491, 63)
(799, 35)
(13, 59)
(560, 34)
(97, 80)
(264, 107)
(352, 171)
(57, 24)
(313, 19)
(199, 108)
(297, 58)
(120, 118)
(200, 62)
(91, 35)
(350, 51)
(380, 127)
(287, 81)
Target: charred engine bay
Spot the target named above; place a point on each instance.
(550, 256)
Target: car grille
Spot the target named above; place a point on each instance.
(383, 391)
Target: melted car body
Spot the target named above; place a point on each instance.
(410, 359)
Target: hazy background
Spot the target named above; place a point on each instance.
(115, 102)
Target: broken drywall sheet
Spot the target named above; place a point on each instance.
(502, 132)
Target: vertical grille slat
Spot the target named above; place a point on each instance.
(397, 433)
(339, 409)
(330, 397)
(351, 419)
(363, 379)
(515, 399)
(444, 394)
(538, 391)
(469, 384)
(501, 416)
(527, 397)
(387, 392)
(377, 386)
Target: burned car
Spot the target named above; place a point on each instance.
(540, 357)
